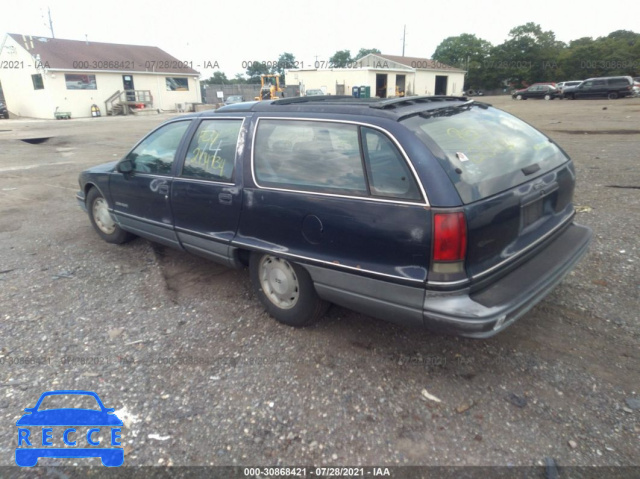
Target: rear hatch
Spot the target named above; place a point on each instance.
(516, 184)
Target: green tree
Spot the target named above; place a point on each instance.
(467, 52)
(238, 79)
(217, 78)
(530, 55)
(285, 61)
(255, 70)
(615, 54)
(341, 58)
(365, 51)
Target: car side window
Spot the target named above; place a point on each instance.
(212, 151)
(389, 175)
(157, 151)
(310, 156)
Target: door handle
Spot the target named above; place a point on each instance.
(225, 198)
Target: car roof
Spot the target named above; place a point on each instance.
(627, 77)
(393, 108)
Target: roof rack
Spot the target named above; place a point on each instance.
(411, 100)
(314, 98)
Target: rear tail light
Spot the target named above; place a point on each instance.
(449, 246)
(449, 237)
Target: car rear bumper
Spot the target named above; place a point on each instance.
(481, 314)
(472, 313)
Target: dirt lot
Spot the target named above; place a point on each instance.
(202, 376)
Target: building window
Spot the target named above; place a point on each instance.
(38, 84)
(80, 82)
(177, 84)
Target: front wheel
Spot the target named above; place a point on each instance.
(612, 96)
(285, 290)
(102, 221)
(547, 97)
(518, 97)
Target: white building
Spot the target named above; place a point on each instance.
(386, 75)
(40, 75)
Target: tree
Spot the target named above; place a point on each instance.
(467, 52)
(238, 79)
(217, 78)
(529, 56)
(365, 51)
(285, 61)
(341, 59)
(256, 69)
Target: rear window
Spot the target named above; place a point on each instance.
(333, 158)
(484, 150)
(619, 82)
(311, 156)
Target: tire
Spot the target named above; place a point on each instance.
(547, 97)
(285, 290)
(518, 97)
(612, 96)
(102, 221)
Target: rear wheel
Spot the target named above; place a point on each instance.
(102, 221)
(286, 290)
(547, 97)
(612, 96)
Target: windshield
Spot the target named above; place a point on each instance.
(484, 150)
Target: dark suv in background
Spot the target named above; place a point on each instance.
(604, 87)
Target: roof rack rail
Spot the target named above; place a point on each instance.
(410, 100)
(306, 99)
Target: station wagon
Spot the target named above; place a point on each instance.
(438, 212)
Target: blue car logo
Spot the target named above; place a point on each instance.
(80, 426)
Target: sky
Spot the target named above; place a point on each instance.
(232, 33)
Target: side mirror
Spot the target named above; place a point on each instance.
(125, 166)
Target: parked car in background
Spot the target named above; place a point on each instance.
(565, 84)
(314, 92)
(636, 86)
(537, 90)
(4, 113)
(231, 99)
(433, 211)
(603, 87)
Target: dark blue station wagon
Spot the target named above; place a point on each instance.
(441, 212)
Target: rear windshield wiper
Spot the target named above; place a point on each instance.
(446, 110)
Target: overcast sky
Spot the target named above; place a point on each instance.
(231, 32)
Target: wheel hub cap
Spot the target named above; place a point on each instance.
(279, 282)
(102, 217)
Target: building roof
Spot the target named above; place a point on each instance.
(59, 54)
(419, 63)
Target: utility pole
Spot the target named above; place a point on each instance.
(50, 23)
(404, 36)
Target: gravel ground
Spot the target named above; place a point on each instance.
(202, 376)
